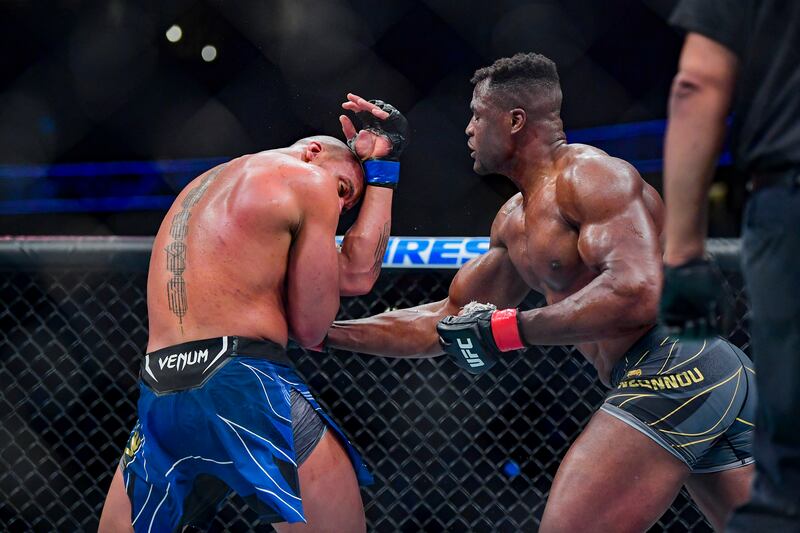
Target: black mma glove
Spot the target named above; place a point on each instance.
(477, 337)
(385, 171)
(695, 302)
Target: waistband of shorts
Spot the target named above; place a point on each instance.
(652, 338)
(190, 364)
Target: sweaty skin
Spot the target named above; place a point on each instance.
(584, 231)
(587, 239)
(258, 250)
(248, 249)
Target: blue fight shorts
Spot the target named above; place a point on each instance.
(216, 416)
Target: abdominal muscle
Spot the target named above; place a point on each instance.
(603, 354)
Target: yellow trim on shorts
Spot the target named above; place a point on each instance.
(733, 397)
(745, 422)
(668, 356)
(636, 397)
(687, 402)
(627, 394)
(642, 357)
(685, 444)
(690, 359)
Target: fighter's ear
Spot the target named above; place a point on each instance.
(313, 149)
(518, 119)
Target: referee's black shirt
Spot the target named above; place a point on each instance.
(765, 36)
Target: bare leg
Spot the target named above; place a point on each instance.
(328, 486)
(331, 497)
(613, 478)
(718, 494)
(116, 515)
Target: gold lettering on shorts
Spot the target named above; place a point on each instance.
(669, 381)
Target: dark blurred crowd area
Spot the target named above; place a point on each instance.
(106, 110)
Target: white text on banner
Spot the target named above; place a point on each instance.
(431, 252)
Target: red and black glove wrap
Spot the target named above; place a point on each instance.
(475, 340)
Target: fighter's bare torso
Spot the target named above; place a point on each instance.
(220, 256)
(542, 243)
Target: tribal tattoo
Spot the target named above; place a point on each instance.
(176, 250)
(380, 250)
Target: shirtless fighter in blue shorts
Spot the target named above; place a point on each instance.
(244, 260)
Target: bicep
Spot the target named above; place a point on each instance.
(605, 199)
(312, 283)
(626, 239)
(623, 248)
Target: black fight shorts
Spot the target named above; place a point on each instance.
(696, 399)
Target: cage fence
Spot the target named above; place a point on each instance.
(73, 326)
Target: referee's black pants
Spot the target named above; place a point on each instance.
(771, 267)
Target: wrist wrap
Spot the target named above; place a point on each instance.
(382, 172)
(505, 330)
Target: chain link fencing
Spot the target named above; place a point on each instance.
(72, 330)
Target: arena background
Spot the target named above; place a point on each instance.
(103, 118)
(86, 82)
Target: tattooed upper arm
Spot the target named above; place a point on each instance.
(380, 250)
(360, 260)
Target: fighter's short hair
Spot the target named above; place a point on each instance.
(524, 71)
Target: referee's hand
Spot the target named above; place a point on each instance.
(695, 301)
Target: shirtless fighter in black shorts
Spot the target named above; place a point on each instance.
(584, 231)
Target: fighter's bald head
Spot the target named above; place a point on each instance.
(529, 81)
(339, 161)
(332, 145)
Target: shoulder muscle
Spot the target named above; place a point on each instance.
(598, 187)
(286, 192)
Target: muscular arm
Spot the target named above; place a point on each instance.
(312, 277)
(617, 239)
(364, 244)
(412, 332)
(700, 99)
